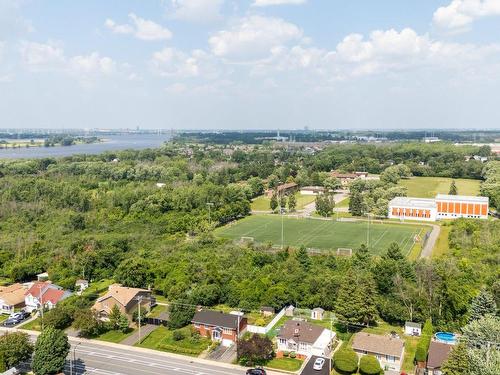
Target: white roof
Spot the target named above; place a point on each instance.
(413, 202)
(324, 339)
(461, 198)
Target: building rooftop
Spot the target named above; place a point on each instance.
(300, 331)
(413, 325)
(413, 202)
(216, 319)
(378, 344)
(461, 198)
(438, 352)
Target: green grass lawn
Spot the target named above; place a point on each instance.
(115, 336)
(157, 311)
(34, 325)
(410, 349)
(97, 288)
(442, 246)
(262, 203)
(286, 364)
(428, 187)
(321, 234)
(343, 203)
(162, 339)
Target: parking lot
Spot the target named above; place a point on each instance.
(308, 369)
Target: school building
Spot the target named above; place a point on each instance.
(442, 207)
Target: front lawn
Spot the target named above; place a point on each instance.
(115, 336)
(34, 325)
(442, 247)
(162, 339)
(98, 288)
(157, 311)
(256, 318)
(286, 364)
(410, 349)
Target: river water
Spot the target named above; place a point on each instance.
(111, 143)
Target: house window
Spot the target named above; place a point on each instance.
(391, 358)
(227, 331)
(303, 346)
(283, 341)
(196, 326)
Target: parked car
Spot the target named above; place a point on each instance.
(318, 363)
(256, 371)
(12, 322)
(19, 315)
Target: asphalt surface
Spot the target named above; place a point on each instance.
(308, 369)
(92, 358)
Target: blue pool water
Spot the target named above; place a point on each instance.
(446, 337)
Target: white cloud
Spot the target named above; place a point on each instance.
(92, 64)
(265, 3)
(170, 62)
(460, 14)
(197, 10)
(40, 56)
(253, 37)
(141, 28)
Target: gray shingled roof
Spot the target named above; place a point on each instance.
(216, 318)
(438, 352)
(378, 344)
(300, 331)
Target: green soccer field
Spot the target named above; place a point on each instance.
(322, 234)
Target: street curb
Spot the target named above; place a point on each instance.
(144, 350)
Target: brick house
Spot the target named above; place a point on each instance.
(127, 300)
(219, 326)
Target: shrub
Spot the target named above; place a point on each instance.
(368, 365)
(346, 361)
(177, 335)
(286, 354)
(293, 355)
(59, 317)
(424, 342)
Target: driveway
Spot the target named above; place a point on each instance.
(308, 369)
(134, 338)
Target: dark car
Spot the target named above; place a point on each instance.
(12, 322)
(256, 371)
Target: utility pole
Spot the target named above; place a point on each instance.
(139, 300)
(209, 204)
(368, 232)
(40, 301)
(73, 360)
(282, 232)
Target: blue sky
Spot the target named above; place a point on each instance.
(250, 64)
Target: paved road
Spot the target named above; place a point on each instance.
(92, 358)
(431, 242)
(309, 370)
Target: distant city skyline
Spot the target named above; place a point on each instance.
(250, 64)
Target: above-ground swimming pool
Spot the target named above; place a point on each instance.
(446, 337)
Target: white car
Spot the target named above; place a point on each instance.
(318, 363)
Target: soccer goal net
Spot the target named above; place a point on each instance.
(344, 251)
(247, 239)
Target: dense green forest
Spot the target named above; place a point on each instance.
(105, 216)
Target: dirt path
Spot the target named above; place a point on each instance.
(431, 241)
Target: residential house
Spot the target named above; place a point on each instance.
(44, 276)
(438, 352)
(413, 329)
(267, 311)
(11, 297)
(346, 178)
(44, 293)
(305, 339)
(81, 285)
(388, 350)
(128, 300)
(289, 187)
(219, 326)
(317, 313)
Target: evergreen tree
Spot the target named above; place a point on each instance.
(123, 324)
(303, 258)
(292, 202)
(457, 362)
(453, 188)
(356, 299)
(356, 204)
(482, 304)
(362, 257)
(51, 349)
(273, 204)
(394, 252)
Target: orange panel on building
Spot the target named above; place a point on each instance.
(457, 208)
(463, 211)
(484, 209)
(470, 209)
(439, 206)
(445, 207)
(477, 209)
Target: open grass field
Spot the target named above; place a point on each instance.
(428, 187)
(322, 234)
(262, 203)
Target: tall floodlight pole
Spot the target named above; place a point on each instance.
(368, 232)
(282, 231)
(209, 204)
(40, 297)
